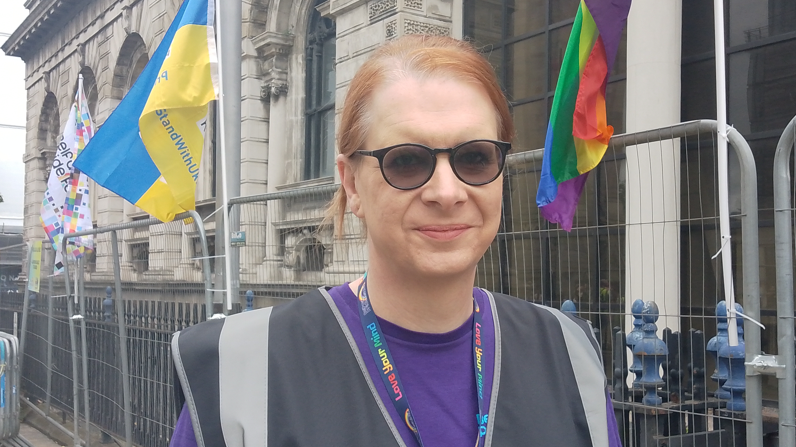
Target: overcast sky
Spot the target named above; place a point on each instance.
(12, 112)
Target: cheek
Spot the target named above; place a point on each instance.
(491, 205)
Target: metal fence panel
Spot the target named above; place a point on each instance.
(646, 231)
(98, 338)
(646, 228)
(784, 208)
(285, 251)
(9, 386)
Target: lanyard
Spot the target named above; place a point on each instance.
(389, 374)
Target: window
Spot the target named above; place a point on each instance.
(525, 40)
(197, 256)
(761, 79)
(321, 86)
(139, 255)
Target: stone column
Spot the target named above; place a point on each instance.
(653, 170)
(275, 49)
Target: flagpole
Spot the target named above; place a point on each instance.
(229, 80)
(724, 211)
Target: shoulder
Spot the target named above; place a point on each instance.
(204, 337)
(532, 319)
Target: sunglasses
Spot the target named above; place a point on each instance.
(410, 166)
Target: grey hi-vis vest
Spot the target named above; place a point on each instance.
(292, 375)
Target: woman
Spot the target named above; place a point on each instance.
(411, 354)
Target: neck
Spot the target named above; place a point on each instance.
(425, 304)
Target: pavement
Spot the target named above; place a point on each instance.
(35, 437)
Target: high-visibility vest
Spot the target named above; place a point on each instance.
(292, 375)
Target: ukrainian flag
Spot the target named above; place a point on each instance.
(148, 150)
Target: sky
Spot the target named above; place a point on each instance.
(12, 112)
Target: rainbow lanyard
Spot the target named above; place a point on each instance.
(389, 373)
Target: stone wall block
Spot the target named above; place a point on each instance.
(403, 24)
(345, 70)
(339, 8)
(351, 20)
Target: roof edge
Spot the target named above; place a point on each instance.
(32, 32)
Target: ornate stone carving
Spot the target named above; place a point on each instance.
(414, 4)
(381, 7)
(274, 49)
(391, 30)
(273, 89)
(415, 27)
(304, 251)
(127, 20)
(46, 80)
(81, 54)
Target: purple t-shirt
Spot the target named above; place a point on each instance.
(437, 372)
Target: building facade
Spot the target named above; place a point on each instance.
(298, 59)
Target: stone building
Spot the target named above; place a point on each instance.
(298, 58)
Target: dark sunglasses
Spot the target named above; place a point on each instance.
(410, 166)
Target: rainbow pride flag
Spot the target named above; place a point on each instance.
(578, 131)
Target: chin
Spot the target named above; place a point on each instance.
(441, 264)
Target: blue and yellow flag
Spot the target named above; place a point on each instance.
(148, 151)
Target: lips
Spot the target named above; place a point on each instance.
(443, 232)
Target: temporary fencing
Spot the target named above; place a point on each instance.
(283, 249)
(783, 365)
(96, 339)
(639, 264)
(647, 229)
(9, 385)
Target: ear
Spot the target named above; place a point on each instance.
(346, 168)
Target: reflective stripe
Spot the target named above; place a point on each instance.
(186, 389)
(243, 378)
(590, 379)
(355, 349)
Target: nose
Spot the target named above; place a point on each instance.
(444, 189)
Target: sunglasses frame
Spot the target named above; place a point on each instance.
(379, 154)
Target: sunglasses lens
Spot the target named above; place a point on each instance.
(407, 167)
(478, 162)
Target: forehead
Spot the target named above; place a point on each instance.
(439, 112)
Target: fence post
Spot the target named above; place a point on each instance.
(783, 221)
(200, 227)
(81, 297)
(49, 331)
(128, 412)
(107, 317)
(733, 359)
(751, 282)
(652, 351)
(632, 340)
(73, 345)
(23, 329)
(568, 306)
(249, 301)
(715, 345)
(107, 305)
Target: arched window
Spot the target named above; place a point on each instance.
(89, 89)
(49, 133)
(321, 85)
(132, 60)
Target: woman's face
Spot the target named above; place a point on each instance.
(445, 226)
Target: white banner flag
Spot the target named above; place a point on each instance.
(77, 210)
(58, 183)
